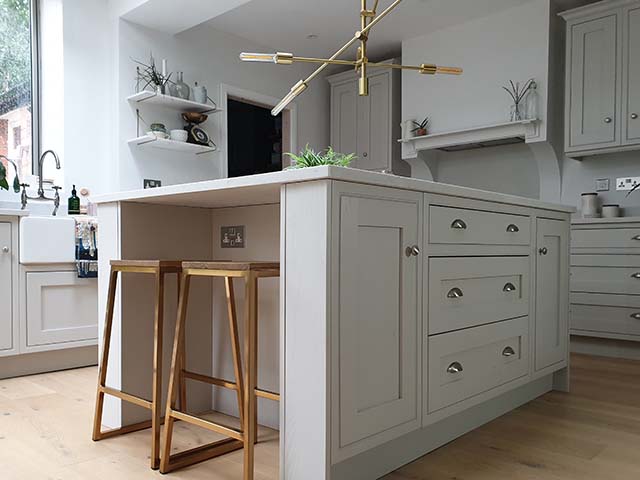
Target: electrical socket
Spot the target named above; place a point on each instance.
(232, 237)
(602, 185)
(626, 183)
(150, 183)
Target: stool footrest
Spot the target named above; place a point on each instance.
(207, 424)
(135, 427)
(141, 402)
(200, 454)
(268, 395)
(219, 382)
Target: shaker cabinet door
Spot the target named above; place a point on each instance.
(378, 327)
(344, 118)
(631, 102)
(377, 154)
(552, 292)
(593, 113)
(6, 297)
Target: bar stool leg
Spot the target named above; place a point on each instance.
(250, 374)
(178, 344)
(183, 366)
(106, 342)
(156, 404)
(235, 345)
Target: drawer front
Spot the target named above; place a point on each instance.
(462, 226)
(606, 238)
(606, 319)
(470, 291)
(619, 280)
(470, 362)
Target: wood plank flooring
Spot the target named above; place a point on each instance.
(591, 434)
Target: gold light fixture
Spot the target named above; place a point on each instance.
(368, 19)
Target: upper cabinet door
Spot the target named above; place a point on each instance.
(377, 318)
(631, 89)
(378, 123)
(344, 118)
(593, 84)
(6, 297)
(552, 292)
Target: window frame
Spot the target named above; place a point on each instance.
(35, 86)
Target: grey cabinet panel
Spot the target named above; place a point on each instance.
(606, 238)
(631, 59)
(378, 315)
(6, 293)
(471, 291)
(620, 280)
(552, 294)
(463, 226)
(472, 361)
(606, 319)
(344, 118)
(379, 123)
(593, 94)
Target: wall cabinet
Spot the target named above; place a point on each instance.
(378, 322)
(368, 126)
(603, 78)
(552, 293)
(6, 284)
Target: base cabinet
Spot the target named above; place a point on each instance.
(552, 292)
(61, 310)
(6, 290)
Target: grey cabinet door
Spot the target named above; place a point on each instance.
(344, 117)
(631, 61)
(378, 124)
(6, 297)
(552, 292)
(378, 326)
(594, 74)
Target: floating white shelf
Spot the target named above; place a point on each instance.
(184, 147)
(471, 138)
(173, 103)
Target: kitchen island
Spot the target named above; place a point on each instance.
(407, 313)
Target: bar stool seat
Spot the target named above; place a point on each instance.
(246, 380)
(159, 269)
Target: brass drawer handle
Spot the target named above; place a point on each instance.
(459, 225)
(635, 316)
(455, 367)
(636, 275)
(508, 352)
(509, 287)
(455, 293)
(513, 228)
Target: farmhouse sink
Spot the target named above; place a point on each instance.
(46, 240)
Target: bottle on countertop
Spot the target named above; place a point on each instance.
(74, 203)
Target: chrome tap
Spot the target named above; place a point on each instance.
(56, 200)
(41, 195)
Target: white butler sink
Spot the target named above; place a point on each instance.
(47, 240)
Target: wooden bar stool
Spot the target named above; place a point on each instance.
(246, 381)
(159, 269)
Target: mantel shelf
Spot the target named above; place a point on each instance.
(173, 145)
(472, 138)
(174, 103)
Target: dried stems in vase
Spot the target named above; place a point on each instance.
(518, 94)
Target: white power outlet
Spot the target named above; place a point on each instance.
(627, 183)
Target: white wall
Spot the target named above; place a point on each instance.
(211, 58)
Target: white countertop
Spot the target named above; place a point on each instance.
(594, 221)
(265, 188)
(11, 212)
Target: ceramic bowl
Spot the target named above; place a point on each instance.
(194, 117)
(179, 135)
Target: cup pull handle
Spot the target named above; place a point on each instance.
(513, 228)
(459, 225)
(455, 293)
(455, 367)
(636, 275)
(509, 287)
(508, 352)
(635, 316)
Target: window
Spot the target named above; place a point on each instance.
(17, 117)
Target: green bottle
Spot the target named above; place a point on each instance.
(74, 203)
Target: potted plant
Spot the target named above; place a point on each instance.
(4, 184)
(421, 127)
(150, 75)
(309, 158)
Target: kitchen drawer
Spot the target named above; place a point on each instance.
(462, 226)
(606, 319)
(606, 238)
(618, 280)
(470, 291)
(470, 362)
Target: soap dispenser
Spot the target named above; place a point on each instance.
(74, 202)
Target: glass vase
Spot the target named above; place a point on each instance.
(517, 112)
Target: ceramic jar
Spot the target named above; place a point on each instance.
(590, 205)
(610, 211)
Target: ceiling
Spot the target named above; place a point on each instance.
(283, 25)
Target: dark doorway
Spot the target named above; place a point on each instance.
(254, 139)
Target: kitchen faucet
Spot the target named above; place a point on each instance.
(41, 196)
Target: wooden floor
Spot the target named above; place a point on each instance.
(593, 433)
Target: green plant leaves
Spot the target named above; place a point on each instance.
(3, 177)
(310, 158)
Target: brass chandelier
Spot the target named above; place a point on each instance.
(368, 19)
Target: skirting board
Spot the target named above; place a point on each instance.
(392, 455)
(42, 362)
(604, 347)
